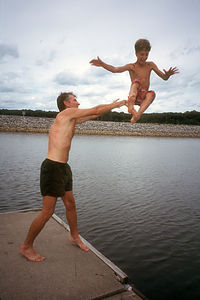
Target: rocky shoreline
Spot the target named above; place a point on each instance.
(10, 123)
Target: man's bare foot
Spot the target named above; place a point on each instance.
(30, 254)
(79, 243)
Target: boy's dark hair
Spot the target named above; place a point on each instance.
(142, 44)
(61, 98)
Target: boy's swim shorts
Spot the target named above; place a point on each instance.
(141, 93)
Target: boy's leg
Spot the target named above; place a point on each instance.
(71, 215)
(145, 104)
(35, 228)
(132, 97)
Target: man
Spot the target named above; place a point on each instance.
(56, 175)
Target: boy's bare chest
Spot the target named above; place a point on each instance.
(141, 71)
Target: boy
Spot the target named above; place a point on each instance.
(140, 77)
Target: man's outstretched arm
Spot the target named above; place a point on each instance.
(84, 119)
(99, 63)
(75, 113)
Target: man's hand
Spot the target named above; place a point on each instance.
(120, 103)
(96, 62)
(171, 72)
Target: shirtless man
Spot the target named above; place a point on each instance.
(56, 175)
(139, 72)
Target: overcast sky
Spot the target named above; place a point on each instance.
(46, 46)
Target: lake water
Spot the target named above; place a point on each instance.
(138, 202)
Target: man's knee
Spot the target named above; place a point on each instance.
(69, 201)
(47, 213)
(48, 208)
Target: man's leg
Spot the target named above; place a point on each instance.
(71, 215)
(145, 104)
(35, 228)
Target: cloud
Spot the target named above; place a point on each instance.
(87, 78)
(46, 58)
(8, 103)
(69, 78)
(11, 82)
(97, 72)
(55, 55)
(194, 80)
(8, 50)
(190, 49)
(6, 89)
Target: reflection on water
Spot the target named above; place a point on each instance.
(137, 202)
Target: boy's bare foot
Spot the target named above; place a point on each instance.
(30, 254)
(134, 119)
(79, 243)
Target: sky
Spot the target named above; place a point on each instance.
(46, 46)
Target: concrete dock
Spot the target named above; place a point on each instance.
(67, 273)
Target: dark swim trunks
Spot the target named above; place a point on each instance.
(55, 178)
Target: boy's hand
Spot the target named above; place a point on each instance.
(96, 62)
(171, 71)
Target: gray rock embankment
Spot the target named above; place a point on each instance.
(42, 125)
(25, 124)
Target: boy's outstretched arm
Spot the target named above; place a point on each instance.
(166, 74)
(99, 63)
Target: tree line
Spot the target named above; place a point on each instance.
(187, 118)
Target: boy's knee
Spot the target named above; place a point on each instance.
(153, 95)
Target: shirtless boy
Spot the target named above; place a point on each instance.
(140, 77)
(56, 175)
